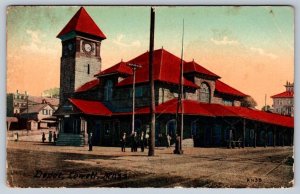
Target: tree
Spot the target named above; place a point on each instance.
(249, 102)
(52, 92)
(266, 108)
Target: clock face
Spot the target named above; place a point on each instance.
(87, 47)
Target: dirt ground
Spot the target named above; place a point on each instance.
(33, 164)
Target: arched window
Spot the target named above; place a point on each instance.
(108, 89)
(171, 127)
(204, 93)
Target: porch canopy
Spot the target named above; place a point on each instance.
(80, 106)
(91, 107)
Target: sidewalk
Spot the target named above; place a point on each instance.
(28, 135)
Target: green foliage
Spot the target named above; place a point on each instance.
(249, 102)
(52, 92)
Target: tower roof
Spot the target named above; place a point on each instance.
(82, 22)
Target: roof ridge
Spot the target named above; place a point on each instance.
(79, 12)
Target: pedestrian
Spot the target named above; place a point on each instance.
(54, 137)
(147, 139)
(50, 136)
(90, 141)
(177, 144)
(142, 141)
(43, 137)
(168, 140)
(132, 142)
(123, 142)
(136, 141)
(159, 139)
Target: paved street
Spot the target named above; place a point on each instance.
(33, 164)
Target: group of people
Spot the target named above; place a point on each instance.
(50, 137)
(135, 140)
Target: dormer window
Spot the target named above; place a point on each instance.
(204, 93)
(108, 88)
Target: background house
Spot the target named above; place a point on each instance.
(283, 103)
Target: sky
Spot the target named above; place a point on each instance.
(250, 47)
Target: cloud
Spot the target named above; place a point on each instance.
(35, 36)
(224, 41)
(263, 52)
(119, 41)
(36, 44)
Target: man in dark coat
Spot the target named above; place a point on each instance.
(123, 142)
(90, 141)
(142, 141)
(135, 142)
(43, 137)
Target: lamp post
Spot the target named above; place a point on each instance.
(26, 96)
(134, 67)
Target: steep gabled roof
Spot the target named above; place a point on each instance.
(121, 68)
(40, 99)
(286, 94)
(226, 89)
(193, 67)
(90, 107)
(166, 69)
(34, 108)
(88, 86)
(82, 22)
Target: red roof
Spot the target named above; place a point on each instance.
(88, 85)
(91, 107)
(262, 116)
(192, 66)
(82, 22)
(286, 94)
(166, 69)
(190, 107)
(226, 89)
(121, 68)
(217, 110)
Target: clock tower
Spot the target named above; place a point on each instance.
(80, 61)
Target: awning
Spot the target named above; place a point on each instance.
(91, 107)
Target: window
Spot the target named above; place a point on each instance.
(45, 112)
(108, 90)
(88, 69)
(139, 92)
(227, 102)
(204, 93)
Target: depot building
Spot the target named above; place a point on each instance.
(101, 101)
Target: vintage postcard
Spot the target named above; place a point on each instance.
(141, 96)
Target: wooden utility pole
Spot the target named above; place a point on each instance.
(151, 81)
